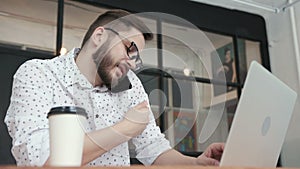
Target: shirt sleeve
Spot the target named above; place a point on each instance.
(151, 142)
(26, 116)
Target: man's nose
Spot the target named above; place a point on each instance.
(131, 64)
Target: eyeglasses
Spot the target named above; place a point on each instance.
(132, 50)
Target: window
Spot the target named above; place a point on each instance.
(36, 19)
(77, 18)
(182, 70)
(224, 29)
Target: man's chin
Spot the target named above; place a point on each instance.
(115, 82)
(112, 85)
(120, 84)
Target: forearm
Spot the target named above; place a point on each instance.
(173, 157)
(98, 142)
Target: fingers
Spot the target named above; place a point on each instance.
(139, 114)
(137, 119)
(142, 105)
(213, 162)
(212, 155)
(218, 147)
(216, 151)
(206, 161)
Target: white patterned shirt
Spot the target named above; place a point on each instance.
(41, 84)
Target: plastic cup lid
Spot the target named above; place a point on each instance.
(67, 110)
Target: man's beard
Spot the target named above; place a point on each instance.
(104, 63)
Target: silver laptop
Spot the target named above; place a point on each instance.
(260, 122)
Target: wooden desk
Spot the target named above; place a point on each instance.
(141, 167)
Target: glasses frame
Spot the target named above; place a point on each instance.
(137, 58)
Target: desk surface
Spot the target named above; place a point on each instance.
(143, 167)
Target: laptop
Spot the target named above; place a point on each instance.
(260, 122)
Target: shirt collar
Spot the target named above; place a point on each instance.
(74, 76)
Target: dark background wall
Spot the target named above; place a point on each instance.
(11, 58)
(237, 24)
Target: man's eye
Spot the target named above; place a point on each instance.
(132, 50)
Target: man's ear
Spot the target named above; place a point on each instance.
(97, 36)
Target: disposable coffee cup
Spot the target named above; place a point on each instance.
(67, 131)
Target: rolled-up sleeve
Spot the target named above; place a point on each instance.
(151, 143)
(26, 116)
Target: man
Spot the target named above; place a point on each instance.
(93, 77)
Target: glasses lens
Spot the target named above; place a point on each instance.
(133, 54)
(132, 51)
(138, 64)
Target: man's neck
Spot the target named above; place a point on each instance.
(88, 68)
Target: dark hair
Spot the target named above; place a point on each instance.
(226, 50)
(118, 14)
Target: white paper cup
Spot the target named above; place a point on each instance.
(67, 131)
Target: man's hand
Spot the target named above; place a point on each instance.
(136, 119)
(212, 155)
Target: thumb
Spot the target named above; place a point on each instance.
(143, 104)
(212, 162)
(205, 161)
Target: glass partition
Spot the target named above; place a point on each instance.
(192, 59)
(36, 19)
(77, 19)
(248, 51)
